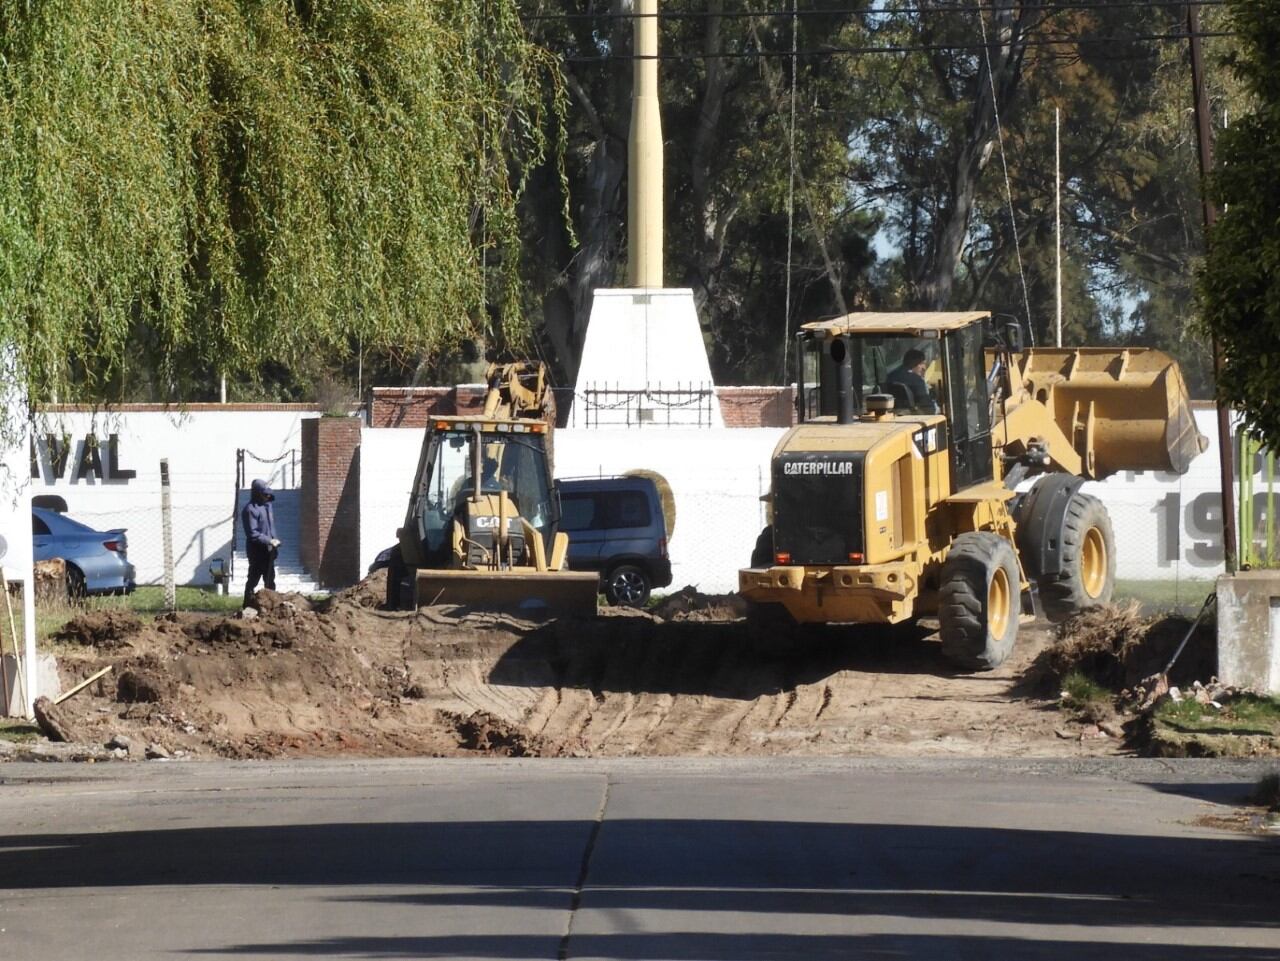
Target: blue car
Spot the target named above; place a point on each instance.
(97, 561)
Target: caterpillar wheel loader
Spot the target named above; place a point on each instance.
(935, 470)
(481, 528)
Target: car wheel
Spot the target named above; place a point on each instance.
(627, 586)
(75, 583)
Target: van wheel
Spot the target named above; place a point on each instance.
(1088, 561)
(978, 601)
(627, 586)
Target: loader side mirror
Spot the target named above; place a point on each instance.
(1013, 336)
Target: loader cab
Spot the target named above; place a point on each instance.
(930, 363)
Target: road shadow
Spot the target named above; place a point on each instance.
(637, 655)
(781, 871)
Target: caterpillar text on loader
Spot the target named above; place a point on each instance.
(481, 528)
(936, 471)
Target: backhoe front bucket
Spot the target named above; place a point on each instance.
(518, 590)
(1124, 409)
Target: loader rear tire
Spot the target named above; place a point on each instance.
(771, 630)
(1088, 575)
(762, 553)
(978, 601)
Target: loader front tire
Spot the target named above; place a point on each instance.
(1088, 575)
(978, 601)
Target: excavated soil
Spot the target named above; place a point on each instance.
(346, 678)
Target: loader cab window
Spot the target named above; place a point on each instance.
(879, 367)
(968, 408)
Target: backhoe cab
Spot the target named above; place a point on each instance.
(482, 525)
(902, 491)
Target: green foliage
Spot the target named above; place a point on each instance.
(1085, 696)
(1240, 714)
(1240, 282)
(194, 188)
(881, 142)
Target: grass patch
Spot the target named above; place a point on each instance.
(18, 731)
(1164, 597)
(1085, 696)
(146, 602)
(1242, 714)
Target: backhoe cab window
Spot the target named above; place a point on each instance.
(514, 463)
(907, 368)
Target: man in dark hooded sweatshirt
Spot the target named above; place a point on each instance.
(260, 539)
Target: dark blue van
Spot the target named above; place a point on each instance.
(615, 526)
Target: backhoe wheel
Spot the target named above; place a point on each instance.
(399, 583)
(978, 609)
(1088, 561)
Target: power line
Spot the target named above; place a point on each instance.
(1051, 8)
(902, 48)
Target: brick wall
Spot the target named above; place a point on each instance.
(757, 406)
(331, 500)
(414, 406)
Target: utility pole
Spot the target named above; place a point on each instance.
(1057, 215)
(1209, 210)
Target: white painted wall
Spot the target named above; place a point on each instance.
(717, 477)
(1167, 527)
(201, 447)
(15, 542)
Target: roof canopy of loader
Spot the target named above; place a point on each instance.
(915, 323)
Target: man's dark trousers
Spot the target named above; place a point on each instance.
(262, 566)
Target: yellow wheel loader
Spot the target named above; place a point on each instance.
(481, 529)
(936, 469)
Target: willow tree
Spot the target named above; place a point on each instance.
(196, 187)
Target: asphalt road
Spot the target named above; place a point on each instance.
(848, 859)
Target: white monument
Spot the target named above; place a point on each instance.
(15, 545)
(643, 360)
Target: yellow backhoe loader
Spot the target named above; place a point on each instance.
(936, 471)
(481, 527)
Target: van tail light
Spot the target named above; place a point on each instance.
(662, 547)
(782, 557)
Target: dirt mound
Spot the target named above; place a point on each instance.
(481, 731)
(688, 604)
(343, 677)
(101, 629)
(1118, 647)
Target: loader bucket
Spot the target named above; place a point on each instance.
(519, 590)
(1123, 409)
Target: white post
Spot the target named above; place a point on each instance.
(222, 389)
(166, 534)
(1057, 203)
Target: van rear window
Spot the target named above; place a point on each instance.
(577, 512)
(631, 509)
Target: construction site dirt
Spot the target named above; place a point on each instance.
(345, 677)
